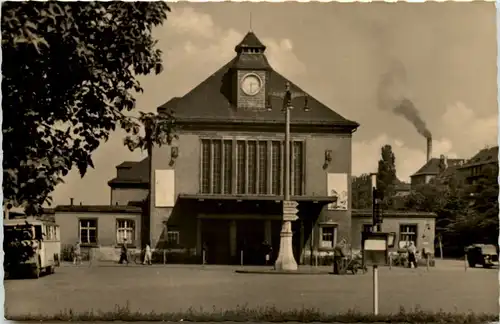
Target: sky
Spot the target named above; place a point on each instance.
(338, 53)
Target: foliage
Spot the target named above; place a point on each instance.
(17, 245)
(386, 174)
(361, 192)
(158, 130)
(267, 314)
(466, 213)
(69, 72)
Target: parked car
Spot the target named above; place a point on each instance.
(483, 254)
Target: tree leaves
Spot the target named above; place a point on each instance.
(159, 129)
(466, 213)
(68, 75)
(386, 174)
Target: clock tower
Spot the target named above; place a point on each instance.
(250, 74)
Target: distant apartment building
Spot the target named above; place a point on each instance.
(442, 167)
(473, 168)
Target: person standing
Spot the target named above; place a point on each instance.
(77, 254)
(147, 254)
(338, 256)
(412, 260)
(124, 253)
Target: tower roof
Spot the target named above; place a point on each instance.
(250, 41)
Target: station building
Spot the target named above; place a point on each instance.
(220, 184)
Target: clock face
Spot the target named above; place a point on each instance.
(251, 84)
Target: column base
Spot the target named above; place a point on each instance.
(286, 260)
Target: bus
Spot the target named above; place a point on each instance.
(31, 244)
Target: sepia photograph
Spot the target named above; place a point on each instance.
(250, 161)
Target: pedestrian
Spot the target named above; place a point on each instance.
(124, 253)
(338, 257)
(147, 254)
(205, 251)
(412, 260)
(77, 253)
(267, 249)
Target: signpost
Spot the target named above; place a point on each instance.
(375, 245)
(290, 210)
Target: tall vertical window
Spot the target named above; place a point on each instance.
(297, 168)
(228, 167)
(240, 167)
(263, 167)
(276, 168)
(217, 165)
(252, 167)
(205, 166)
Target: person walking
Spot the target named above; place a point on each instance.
(412, 260)
(267, 249)
(147, 254)
(124, 253)
(77, 254)
(338, 256)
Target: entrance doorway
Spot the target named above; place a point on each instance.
(250, 236)
(215, 236)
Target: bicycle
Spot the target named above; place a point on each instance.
(136, 257)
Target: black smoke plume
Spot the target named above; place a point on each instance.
(392, 95)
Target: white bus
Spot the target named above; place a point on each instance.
(31, 244)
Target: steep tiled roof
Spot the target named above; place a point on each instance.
(485, 156)
(432, 166)
(137, 173)
(212, 100)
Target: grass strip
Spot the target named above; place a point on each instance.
(264, 314)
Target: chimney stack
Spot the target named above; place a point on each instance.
(71, 201)
(429, 149)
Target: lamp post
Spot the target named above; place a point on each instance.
(286, 260)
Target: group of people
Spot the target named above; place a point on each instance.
(77, 254)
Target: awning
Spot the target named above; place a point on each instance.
(256, 198)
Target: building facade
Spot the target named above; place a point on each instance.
(219, 186)
(102, 228)
(409, 226)
(442, 166)
(474, 168)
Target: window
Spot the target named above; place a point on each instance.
(276, 168)
(254, 164)
(328, 236)
(205, 166)
(252, 167)
(228, 167)
(262, 167)
(240, 167)
(217, 162)
(407, 233)
(297, 168)
(173, 237)
(125, 231)
(88, 231)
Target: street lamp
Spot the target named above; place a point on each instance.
(286, 260)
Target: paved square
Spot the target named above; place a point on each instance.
(176, 287)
